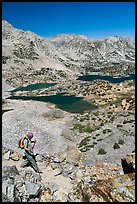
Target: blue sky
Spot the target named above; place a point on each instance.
(93, 19)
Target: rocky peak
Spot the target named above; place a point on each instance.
(6, 25)
(67, 37)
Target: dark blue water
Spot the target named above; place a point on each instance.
(107, 78)
(34, 87)
(71, 104)
(3, 111)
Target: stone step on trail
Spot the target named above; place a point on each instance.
(48, 175)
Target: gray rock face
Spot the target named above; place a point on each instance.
(7, 155)
(11, 191)
(5, 89)
(33, 188)
(5, 185)
(6, 170)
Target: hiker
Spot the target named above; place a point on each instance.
(29, 156)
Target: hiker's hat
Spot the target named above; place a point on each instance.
(30, 134)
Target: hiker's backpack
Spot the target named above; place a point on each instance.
(21, 142)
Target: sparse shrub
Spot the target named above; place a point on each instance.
(106, 131)
(102, 151)
(116, 146)
(125, 121)
(4, 59)
(79, 127)
(93, 118)
(119, 125)
(3, 101)
(81, 119)
(100, 139)
(96, 113)
(121, 141)
(84, 142)
(88, 129)
(131, 121)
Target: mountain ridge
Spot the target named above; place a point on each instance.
(70, 54)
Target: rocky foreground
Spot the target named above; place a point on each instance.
(84, 157)
(66, 178)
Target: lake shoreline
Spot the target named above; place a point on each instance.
(112, 79)
(68, 101)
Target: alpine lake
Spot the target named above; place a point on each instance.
(67, 103)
